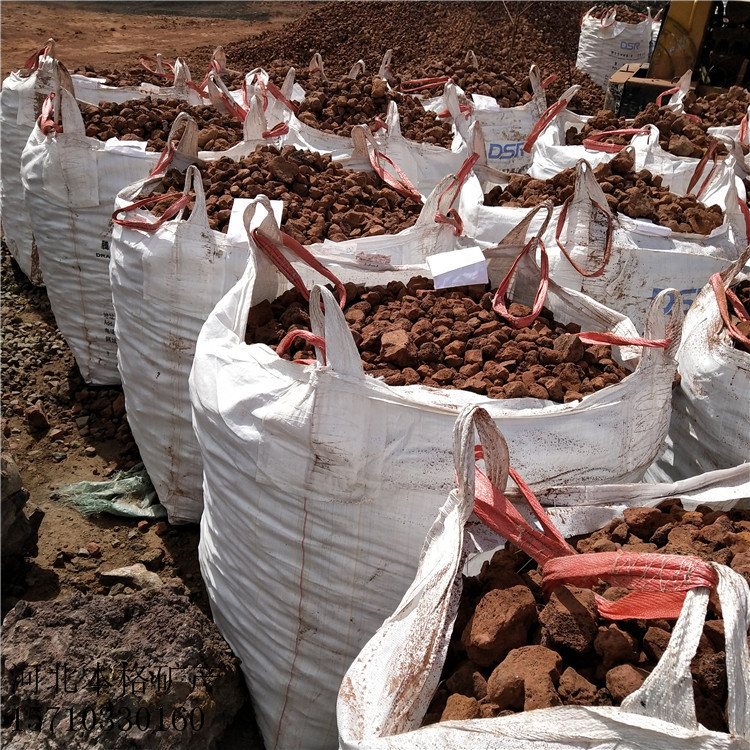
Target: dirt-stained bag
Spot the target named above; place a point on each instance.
(626, 262)
(710, 423)
(606, 44)
(365, 468)
(70, 183)
(21, 98)
(385, 694)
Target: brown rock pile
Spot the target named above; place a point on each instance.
(137, 74)
(678, 134)
(625, 13)
(509, 36)
(513, 650)
(151, 119)
(639, 195)
(337, 106)
(412, 334)
(488, 80)
(719, 109)
(146, 669)
(322, 200)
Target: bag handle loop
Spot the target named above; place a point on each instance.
(548, 116)
(498, 303)
(451, 216)
(46, 50)
(419, 84)
(158, 61)
(401, 184)
(724, 295)
(594, 141)
(327, 321)
(274, 254)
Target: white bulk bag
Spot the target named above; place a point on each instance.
(710, 424)
(386, 691)
(164, 284)
(96, 90)
(487, 224)
(643, 258)
(606, 44)
(166, 280)
(325, 480)
(425, 164)
(505, 130)
(550, 153)
(22, 94)
(70, 183)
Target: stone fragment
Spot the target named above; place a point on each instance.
(136, 576)
(500, 623)
(570, 618)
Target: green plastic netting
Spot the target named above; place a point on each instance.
(128, 493)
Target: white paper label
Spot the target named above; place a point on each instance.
(485, 102)
(131, 148)
(458, 268)
(84, 82)
(236, 230)
(648, 227)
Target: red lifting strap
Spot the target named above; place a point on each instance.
(452, 217)
(145, 226)
(285, 267)
(423, 83)
(402, 185)
(32, 63)
(499, 514)
(607, 242)
(745, 211)
(660, 582)
(465, 109)
(721, 301)
(594, 142)
(710, 153)
(144, 60)
(164, 159)
(280, 128)
(668, 92)
(549, 80)
(263, 93)
(46, 121)
(548, 115)
(317, 341)
(498, 303)
(275, 92)
(597, 337)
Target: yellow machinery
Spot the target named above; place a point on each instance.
(710, 38)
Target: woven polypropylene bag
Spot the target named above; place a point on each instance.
(710, 422)
(324, 480)
(606, 44)
(70, 183)
(386, 691)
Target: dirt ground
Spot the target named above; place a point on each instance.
(106, 34)
(101, 35)
(36, 363)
